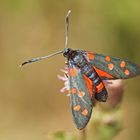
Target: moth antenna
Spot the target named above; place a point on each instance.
(53, 54)
(67, 27)
(40, 58)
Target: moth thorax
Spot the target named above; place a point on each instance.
(79, 61)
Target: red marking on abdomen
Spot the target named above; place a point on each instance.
(99, 87)
(89, 84)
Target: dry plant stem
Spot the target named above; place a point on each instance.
(83, 134)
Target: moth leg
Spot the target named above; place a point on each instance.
(66, 74)
(66, 62)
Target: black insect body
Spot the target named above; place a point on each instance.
(76, 57)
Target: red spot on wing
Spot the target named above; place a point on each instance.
(73, 72)
(110, 66)
(73, 90)
(103, 73)
(126, 72)
(89, 84)
(90, 55)
(122, 64)
(81, 93)
(85, 112)
(77, 108)
(107, 58)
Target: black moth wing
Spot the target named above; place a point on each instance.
(116, 67)
(80, 99)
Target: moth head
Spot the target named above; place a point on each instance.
(67, 52)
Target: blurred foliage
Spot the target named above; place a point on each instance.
(30, 103)
(60, 135)
(104, 126)
(106, 122)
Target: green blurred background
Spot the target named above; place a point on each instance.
(31, 104)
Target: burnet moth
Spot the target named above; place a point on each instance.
(86, 72)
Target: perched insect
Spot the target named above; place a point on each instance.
(86, 70)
